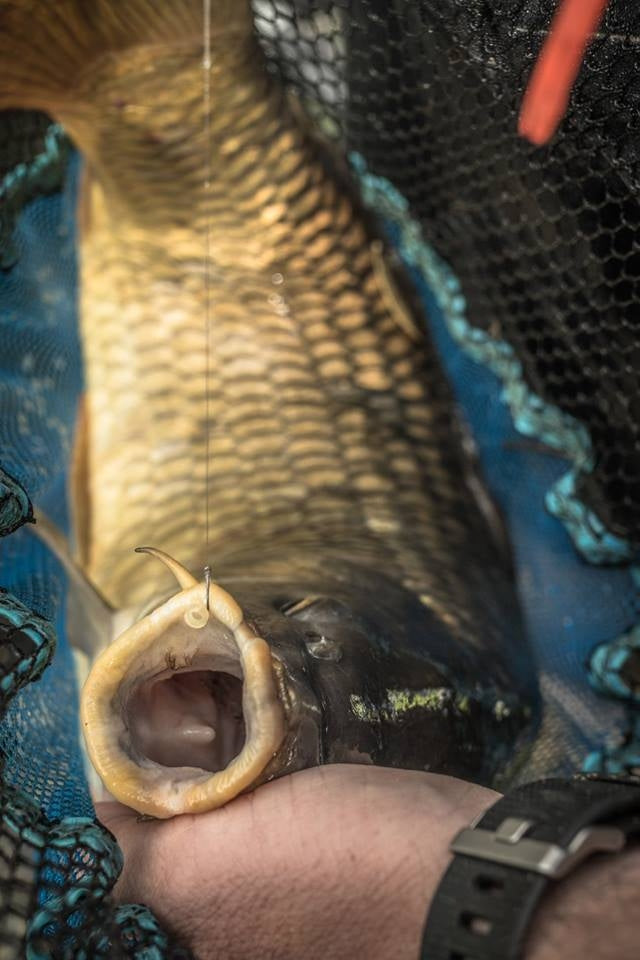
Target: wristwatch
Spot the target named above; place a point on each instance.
(508, 858)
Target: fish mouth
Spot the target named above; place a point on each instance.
(182, 712)
(188, 718)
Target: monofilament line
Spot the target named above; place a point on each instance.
(206, 69)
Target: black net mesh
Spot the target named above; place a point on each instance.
(543, 243)
(23, 138)
(33, 152)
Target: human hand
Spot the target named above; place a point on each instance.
(319, 865)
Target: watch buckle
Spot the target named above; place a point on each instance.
(509, 846)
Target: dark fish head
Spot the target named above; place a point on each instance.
(225, 685)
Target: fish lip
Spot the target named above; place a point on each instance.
(146, 786)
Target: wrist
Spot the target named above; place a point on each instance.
(504, 896)
(407, 861)
(591, 913)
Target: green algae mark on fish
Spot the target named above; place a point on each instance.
(400, 703)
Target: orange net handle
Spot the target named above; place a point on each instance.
(547, 94)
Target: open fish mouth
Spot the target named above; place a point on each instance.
(188, 718)
(181, 713)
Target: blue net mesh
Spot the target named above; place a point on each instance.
(40, 361)
(40, 380)
(57, 863)
(569, 605)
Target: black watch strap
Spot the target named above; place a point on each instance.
(532, 836)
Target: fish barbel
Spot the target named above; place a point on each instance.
(261, 395)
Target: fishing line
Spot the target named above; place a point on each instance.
(207, 581)
(206, 67)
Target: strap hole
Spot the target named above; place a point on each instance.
(489, 884)
(481, 926)
(457, 956)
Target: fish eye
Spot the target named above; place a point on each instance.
(322, 648)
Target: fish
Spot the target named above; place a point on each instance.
(263, 401)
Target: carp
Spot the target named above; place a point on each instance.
(262, 397)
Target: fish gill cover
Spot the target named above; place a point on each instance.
(529, 262)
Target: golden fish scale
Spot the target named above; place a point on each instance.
(328, 421)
